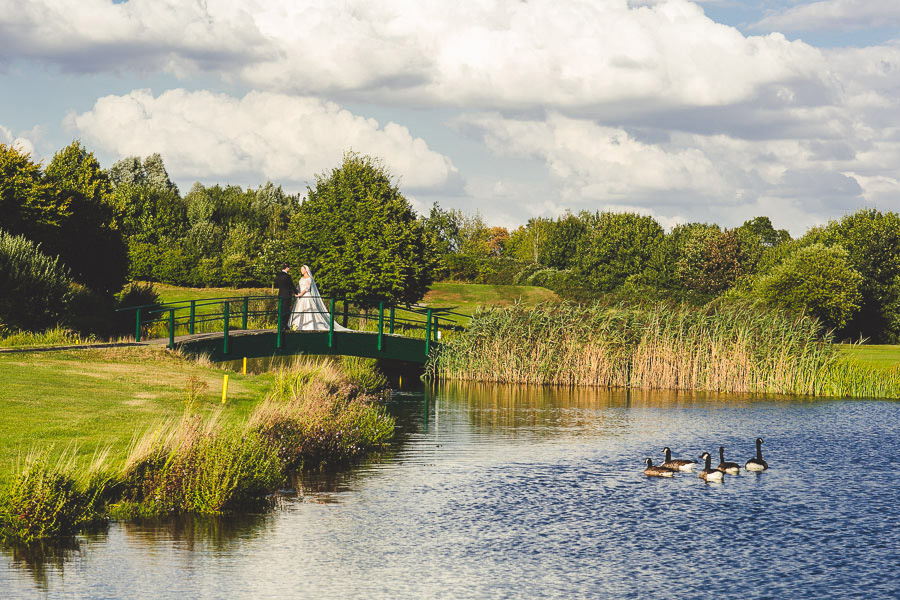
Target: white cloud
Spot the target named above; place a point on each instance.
(257, 137)
(686, 176)
(495, 54)
(833, 15)
(20, 143)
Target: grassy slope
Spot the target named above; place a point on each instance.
(467, 297)
(98, 398)
(873, 355)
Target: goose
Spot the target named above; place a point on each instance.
(731, 468)
(708, 473)
(677, 465)
(757, 463)
(652, 471)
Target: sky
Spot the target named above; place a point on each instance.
(714, 111)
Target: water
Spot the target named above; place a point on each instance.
(495, 492)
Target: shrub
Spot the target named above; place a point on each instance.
(314, 416)
(198, 467)
(135, 294)
(36, 288)
(818, 280)
(46, 500)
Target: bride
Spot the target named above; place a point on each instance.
(309, 312)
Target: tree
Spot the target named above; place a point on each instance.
(762, 228)
(360, 235)
(30, 205)
(818, 280)
(872, 241)
(36, 288)
(444, 228)
(88, 241)
(151, 173)
(526, 243)
(497, 239)
(711, 260)
(563, 236)
(615, 247)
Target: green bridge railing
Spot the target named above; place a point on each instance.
(214, 315)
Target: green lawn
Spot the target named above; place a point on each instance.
(467, 297)
(173, 293)
(874, 355)
(103, 397)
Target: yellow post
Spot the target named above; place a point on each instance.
(244, 372)
(400, 381)
(224, 388)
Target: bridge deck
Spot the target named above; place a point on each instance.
(256, 343)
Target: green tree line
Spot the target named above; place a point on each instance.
(90, 231)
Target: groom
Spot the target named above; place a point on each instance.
(286, 291)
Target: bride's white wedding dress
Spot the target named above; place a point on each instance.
(309, 312)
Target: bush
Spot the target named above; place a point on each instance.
(46, 500)
(200, 468)
(135, 294)
(818, 280)
(37, 289)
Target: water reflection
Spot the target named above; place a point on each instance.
(40, 559)
(197, 533)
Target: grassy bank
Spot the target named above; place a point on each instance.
(79, 444)
(96, 398)
(659, 346)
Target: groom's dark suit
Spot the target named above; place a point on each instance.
(286, 290)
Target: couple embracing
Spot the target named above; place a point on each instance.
(308, 312)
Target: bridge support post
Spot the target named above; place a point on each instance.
(428, 334)
(137, 325)
(278, 325)
(244, 316)
(225, 331)
(380, 326)
(437, 333)
(171, 329)
(392, 318)
(193, 317)
(344, 322)
(331, 324)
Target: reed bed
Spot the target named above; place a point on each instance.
(723, 348)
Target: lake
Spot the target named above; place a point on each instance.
(510, 492)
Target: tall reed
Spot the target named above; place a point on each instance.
(52, 498)
(645, 346)
(321, 413)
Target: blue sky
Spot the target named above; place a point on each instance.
(690, 111)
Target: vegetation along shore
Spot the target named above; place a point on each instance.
(657, 345)
(209, 460)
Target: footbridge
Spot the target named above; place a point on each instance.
(236, 327)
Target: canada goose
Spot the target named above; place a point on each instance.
(708, 473)
(652, 471)
(677, 465)
(731, 468)
(757, 464)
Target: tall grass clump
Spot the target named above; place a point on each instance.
(316, 415)
(54, 336)
(724, 348)
(197, 466)
(846, 378)
(50, 499)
